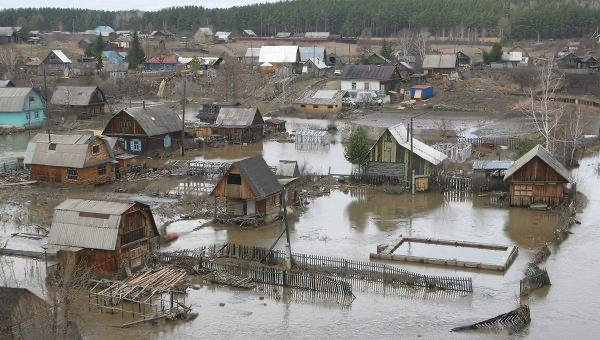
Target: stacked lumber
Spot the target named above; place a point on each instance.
(147, 282)
(230, 279)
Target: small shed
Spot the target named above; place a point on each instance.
(240, 125)
(21, 107)
(108, 236)
(537, 177)
(421, 92)
(274, 125)
(250, 189)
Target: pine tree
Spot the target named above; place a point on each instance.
(356, 150)
(494, 55)
(136, 54)
(386, 49)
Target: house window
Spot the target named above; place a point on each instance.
(315, 106)
(95, 149)
(167, 141)
(302, 105)
(125, 125)
(72, 174)
(37, 115)
(27, 115)
(52, 146)
(135, 145)
(330, 106)
(367, 86)
(353, 85)
(235, 179)
(523, 190)
(123, 143)
(102, 169)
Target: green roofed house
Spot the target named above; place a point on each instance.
(21, 107)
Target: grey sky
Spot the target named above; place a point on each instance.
(147, 5)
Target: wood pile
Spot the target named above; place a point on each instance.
(146, 283)
(229, 279)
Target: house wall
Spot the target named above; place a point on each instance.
(319, 107)
(134, 140)
(160, 67)
(33, 113)
(536, 182)
(387, 150)
(59, 174)
(132, 252)
(361, 85)
(242, 135)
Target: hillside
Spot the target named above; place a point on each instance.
(516, 19)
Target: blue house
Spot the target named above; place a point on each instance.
(21, 107)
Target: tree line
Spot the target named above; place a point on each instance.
(516, 19)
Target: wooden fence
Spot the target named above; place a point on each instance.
(364, 270)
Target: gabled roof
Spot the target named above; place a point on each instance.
(278, 54)
(288, 169)
(10, 304)
(154, 119)
(375, 72)
(420, 149)
(68, 151)
(249, 32)
(14, 99)
(318, 63)
(439, 61)
(307, 53)
(546, 157)
(75, 95)
(113, 57)
(252, 52)
(283, 35)
(238, 117)
(162, 59)
(87, 224)
(322, 97)
(6, 83)
(61, 56)
(258, 175)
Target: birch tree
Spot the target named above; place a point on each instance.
(9, 58)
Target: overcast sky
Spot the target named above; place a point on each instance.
(147, 5)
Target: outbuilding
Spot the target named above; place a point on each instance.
(239, 125)
(421, 92)
(56, 63)
(81, 100)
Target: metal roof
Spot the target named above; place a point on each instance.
(69, 150)
(420, 149)
(318, 63)
(113, 57)
(484, 164)
(6, 83)
(375, 72)
(13, 99)
(249, 32)
(122, 67)
(75, 95)
(252, 52)
(443, 61)
(238, 117)
(307, 53)
(283, 35)
(61, 56)
(288, 169)
(317, 35)
(69, 228)
(9, 31)
(323, 97)
(546, 157)
(155, 119)
(279, 54)
(259, 176)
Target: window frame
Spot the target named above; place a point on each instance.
(72, 174)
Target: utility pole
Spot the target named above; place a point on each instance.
(288, 244)
(412, 169)
(183, 115)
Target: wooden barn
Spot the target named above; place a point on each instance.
(108, 236)
(390, 157)
(73, 159)
(239, 125)
(146, 129)
(536, 178)
(250, 189)
(82, 100)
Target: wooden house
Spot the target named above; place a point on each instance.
(24, 315)
(390, 156)
(443, 64)
(569, 61)
(209, 109)
(250, 189)
(21, 107)
(536, 178)
(239, 125)
(108, 236)
(379, 79)
(321, 101)
(81, 100)
(377, 59)
(274, 125)
(73, 159)
(161, 63)
(146, 129)
(55, 63)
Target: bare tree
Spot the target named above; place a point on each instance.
(404, 41)
(545, 113)
(570, 134)
(9, 58)
(421, 45)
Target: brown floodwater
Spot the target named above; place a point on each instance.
(351, 224)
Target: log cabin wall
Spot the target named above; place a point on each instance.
(536, 182)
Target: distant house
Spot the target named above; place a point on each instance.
(158, 34)
(210, 109)
(250, 189)
(283, 35)
(316, 68)
(24, 315)
(515, 58)
(239, 125)
(537, 177)
(248, 34)
(589, 62)
(440, 63)
(360, 79)
(82, 100)
(223, 37)
(104, 31)
(251, 55)
(317, 35)
(410, 60)
(146, 129)
(112, 57)
(274, 125)
(377, 59)
(161, 63)
(280, 56)
(121, 43)
(321, 101)
(110, 237)
(569, 61)
(6, 83)
(116, 71)
(203, 35)
(287, 169)
(463, 59)
(390, 156)
(309, 52)
(71, 159)
(9, 34)
(56, 63)
(21, 107)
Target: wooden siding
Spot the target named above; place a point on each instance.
(387, 150)
(536, 182)
(123, 124)
(241, 135)
(233, 191)
(87, 175)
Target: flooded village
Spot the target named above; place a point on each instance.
(227, 181)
